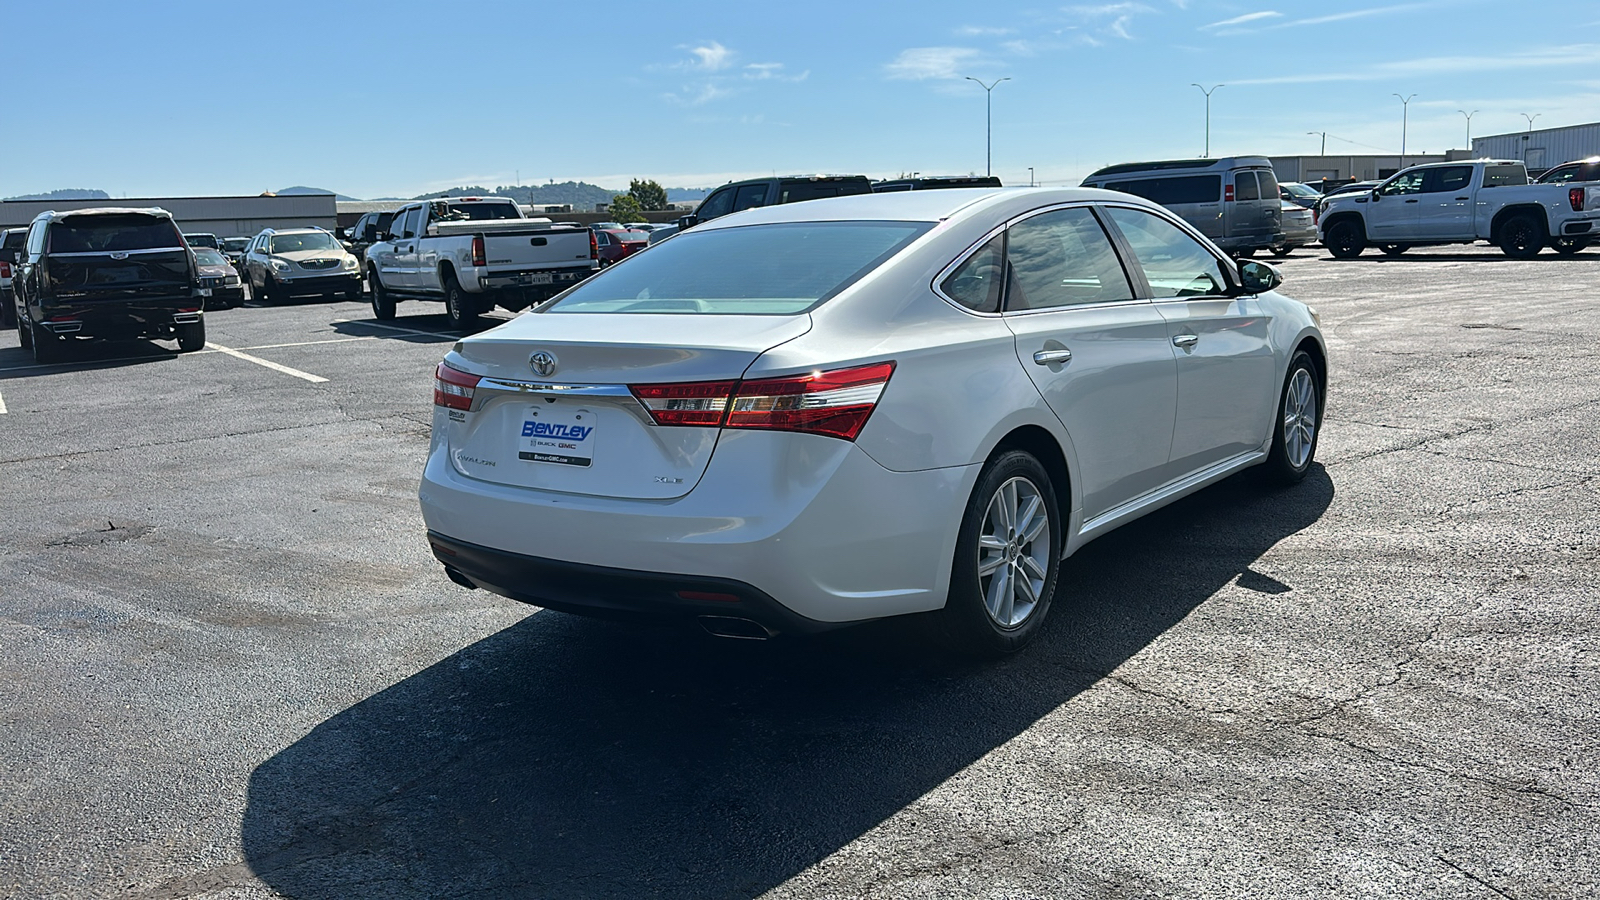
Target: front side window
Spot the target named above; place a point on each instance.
(1174, 264)
(780, 269)
(1407, 183)
(1062, 258)
(976, 283)
(718, 204)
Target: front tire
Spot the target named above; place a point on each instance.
(1282, 250)
(1394, 250)
(191, 336)
(1346, 239)
(1299, 423)
(1570, 246)
(382, 300)
(463, 316)
(1007, 559)
(1522, 236)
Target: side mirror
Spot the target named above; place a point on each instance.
(347, 245)
(369, 234)
(1376, 196)
(1258, 277)
(687, 222)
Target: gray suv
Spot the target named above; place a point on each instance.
(1232, 200)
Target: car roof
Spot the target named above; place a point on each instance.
(1158, 166)
(916, 206)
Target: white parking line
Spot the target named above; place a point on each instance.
(3, 409)
(314, 379)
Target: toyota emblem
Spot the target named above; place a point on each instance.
(543, 362)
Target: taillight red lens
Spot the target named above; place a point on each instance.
(479, 258)
(594, 246)
(1575, 197)
(835, 403)
(453, 388)
(703, 403)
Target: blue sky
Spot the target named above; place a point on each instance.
(395, 98)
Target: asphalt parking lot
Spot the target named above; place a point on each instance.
(232, 669)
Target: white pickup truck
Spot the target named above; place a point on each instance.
(475, 253)
(1461, 202)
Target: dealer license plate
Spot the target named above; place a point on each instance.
(561, 436)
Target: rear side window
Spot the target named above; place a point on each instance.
(750, 196)
(1245, 186)
(476, 212)
(1496, 176)
(781, 269)
(1269, 183)
(1447, 178)
(1063, 258)
(976, 283)
(797, 191)
(114, 232)
(1179, 189)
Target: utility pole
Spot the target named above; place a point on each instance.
(1208, 114)
(988, 123)
(1405, 113)
(1324, 134)
(1030, 176)
(1528, 137)
(1469, 116)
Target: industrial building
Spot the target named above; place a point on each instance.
(1314, 169)
(1542, 148)
(221, 216)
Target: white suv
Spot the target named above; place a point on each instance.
(294, 262)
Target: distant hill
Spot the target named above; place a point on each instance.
(66, 194)
(302, 189)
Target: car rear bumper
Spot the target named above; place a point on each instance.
(810, 523)
(145, 318)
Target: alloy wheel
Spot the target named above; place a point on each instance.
(1014, 552)
(1300, 418)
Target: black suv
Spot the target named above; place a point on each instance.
(10, 250)
(366, 231)
(106, 273)
(741, 195)
(934, 182)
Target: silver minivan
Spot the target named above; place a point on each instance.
(1232, 200)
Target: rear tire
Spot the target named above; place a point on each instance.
(457, 305)
(1282, 251)
(1522, 236)
(1570, 246)
(1007, 559)
(382, 300)
(191, 336)
(47, 348)
(1346, 239)
(1393, 250)
(1298, 425)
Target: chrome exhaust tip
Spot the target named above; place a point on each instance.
(456, 576)
(736, 628)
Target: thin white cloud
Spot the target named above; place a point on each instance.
(1247, 17)
(1109, 19)
(771, 72)
(923, 63)
(983, 31)
(1541, 58)
(1107, 10)
(708, 57)
(695, 95)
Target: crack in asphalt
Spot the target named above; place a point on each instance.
(1471, 877)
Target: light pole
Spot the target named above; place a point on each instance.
(1528, 137)
(1469, 116)
(1324, 141)
(1208, 113)
(1030, 176)
(988, 123)
(1405, 112)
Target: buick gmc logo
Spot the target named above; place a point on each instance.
(543, 363)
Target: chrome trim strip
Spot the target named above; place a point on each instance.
(1168, 493)
(125, 252)
(540, 387)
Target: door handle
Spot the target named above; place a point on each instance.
(1411, 201)
(1186, 340)
(1463, 198)
(1051, 357)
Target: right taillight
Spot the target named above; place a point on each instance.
(5, 270)
(1227, 193)
(453, 388)
(594, 246)
(836, 403)
(1575, 197)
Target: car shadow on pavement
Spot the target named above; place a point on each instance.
(566, 757)
(16, 362)
(416, 329)
(1488, 255)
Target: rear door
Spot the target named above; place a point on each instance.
(1253, 218)
(1099, 356)
(1444, 208)
(1226, 388)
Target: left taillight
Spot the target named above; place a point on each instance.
(702, 403)
(1574, 197)
(5, 270)
(453, 388)
(479, 257)
(594, 246)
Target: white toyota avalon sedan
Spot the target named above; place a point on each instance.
(802, 416)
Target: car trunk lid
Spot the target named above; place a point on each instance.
(554, 410)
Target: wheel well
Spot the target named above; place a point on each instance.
(1042, 444)
(446, 268)
(1336, 218)
(1505, 215)
(1314, 350)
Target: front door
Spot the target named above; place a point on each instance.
(1392, 213)
(1100, 357)
(1226, 369)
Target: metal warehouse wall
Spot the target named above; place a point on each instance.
(222, 216)
(1543, 148)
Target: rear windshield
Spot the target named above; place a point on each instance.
(1500, 176)
(474, 212)
(1176, 189)
(773, 270)
(116, 231)
(235, 243)
(206, 256)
